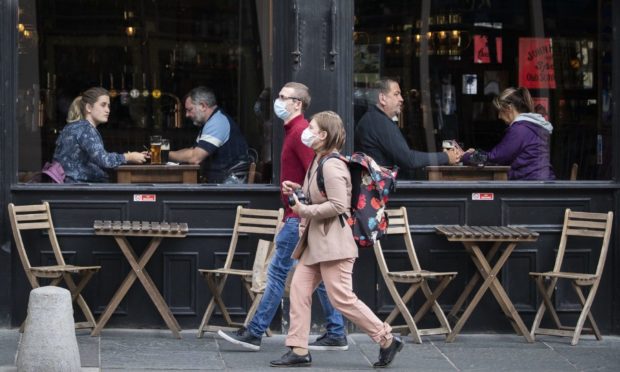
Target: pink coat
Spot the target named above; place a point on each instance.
(324, 238)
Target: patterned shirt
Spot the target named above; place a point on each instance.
(79, 149)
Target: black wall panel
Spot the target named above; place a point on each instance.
(210, 214)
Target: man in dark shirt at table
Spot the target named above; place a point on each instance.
(377, 135)
(220, 139)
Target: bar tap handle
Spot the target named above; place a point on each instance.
(178, 118)
(41, 114)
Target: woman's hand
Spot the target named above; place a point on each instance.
(297, 206)
(454, 155)
(135, 157)
(289, 186)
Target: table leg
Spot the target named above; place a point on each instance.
(118, 296)
(472, 283)
(496, 288)
(137, 266)
(476, 254)
(486, 269)
(147, 282)
(158, 298)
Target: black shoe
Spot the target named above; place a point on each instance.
(324, 342)
(291, 359)
(386, 356)
(242, 337)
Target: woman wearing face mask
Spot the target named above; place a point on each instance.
(295, 158)
(326, 251)
(79, 147)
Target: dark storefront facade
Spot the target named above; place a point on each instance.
(450, 58)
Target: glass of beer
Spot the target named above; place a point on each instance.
(155, 149)
(165, 149)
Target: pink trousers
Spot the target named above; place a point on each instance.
(337, 276)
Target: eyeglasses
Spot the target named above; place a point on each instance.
(284, 98)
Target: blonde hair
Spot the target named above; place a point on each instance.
(331, 123)
(519, 98)
(74, 113)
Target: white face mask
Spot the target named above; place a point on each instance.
(279, 108)
(307, 137)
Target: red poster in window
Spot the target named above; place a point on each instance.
(498, 48)
(481, 49)
(536, 63)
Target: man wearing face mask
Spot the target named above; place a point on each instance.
(220, 139)
(296, 156)
(377, 135)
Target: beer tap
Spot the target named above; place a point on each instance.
(178, 118)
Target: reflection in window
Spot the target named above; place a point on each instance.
(451, 62)
(148, 54)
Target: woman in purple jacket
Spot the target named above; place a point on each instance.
(525, 146)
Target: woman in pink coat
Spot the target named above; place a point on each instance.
(326, 250)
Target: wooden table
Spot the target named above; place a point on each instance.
(157, 231)
(467, 173)
(183, 173)
(472, 237)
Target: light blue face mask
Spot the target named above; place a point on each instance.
(279, 108)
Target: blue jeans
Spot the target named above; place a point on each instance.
(280, 265)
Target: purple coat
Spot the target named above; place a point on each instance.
(525, 147)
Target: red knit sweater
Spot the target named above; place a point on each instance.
(295, 157)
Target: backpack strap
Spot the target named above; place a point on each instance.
(319, 173)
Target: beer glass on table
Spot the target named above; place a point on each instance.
(155, 149)
(165, 150)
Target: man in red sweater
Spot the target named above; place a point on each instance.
(292, 102)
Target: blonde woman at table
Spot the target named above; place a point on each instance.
(79, 147)
(326, 250)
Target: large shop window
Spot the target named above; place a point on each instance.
(148, 54)
(451, 58)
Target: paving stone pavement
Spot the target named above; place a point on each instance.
(134, 350)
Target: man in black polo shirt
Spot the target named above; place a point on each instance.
(378, 135)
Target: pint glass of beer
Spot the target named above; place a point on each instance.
(165, 149)
(155, 149)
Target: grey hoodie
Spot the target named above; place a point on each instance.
(537, 119)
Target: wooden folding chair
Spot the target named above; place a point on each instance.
(262, 222)
(580, 224)
(39, 217)
(417, 278)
